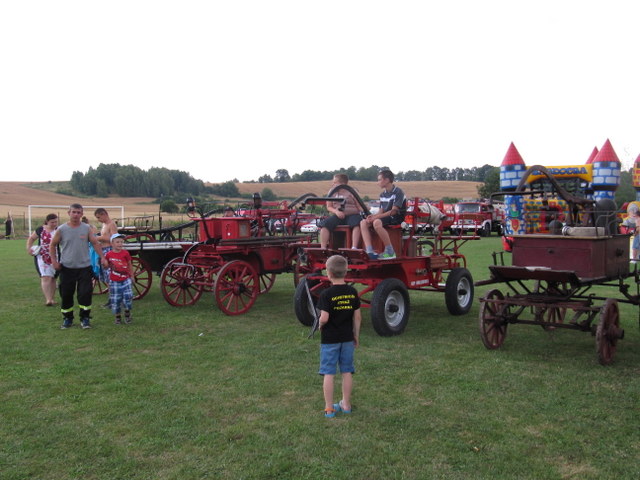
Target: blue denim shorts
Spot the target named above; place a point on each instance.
(334, 354)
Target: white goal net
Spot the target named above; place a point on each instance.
(89, 209)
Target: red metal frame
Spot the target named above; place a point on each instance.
(416, 270)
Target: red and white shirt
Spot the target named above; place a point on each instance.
(118, 265)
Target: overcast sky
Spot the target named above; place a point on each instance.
(238, 89)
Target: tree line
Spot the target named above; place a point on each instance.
(132, 181)
(370, 174)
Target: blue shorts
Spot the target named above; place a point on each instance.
(636, 242)
(333, 354)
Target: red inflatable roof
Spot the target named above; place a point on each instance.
(593, 155)
(512, 157)
(607, 154)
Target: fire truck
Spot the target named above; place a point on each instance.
(478, 217)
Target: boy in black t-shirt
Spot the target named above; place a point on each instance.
(339, 328)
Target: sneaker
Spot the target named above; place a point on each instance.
(338, 407)
(118, 321)
(372, 255)
(127, 319)
(329, 412)
(85, 323)
(67, 323)
(387, 256)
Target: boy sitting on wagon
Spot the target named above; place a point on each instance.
(349, 216)
(393, 206)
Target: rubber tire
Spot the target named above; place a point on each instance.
(391, 293)
(301, 303)
(459, 279)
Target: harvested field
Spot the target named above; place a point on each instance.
(15, 197)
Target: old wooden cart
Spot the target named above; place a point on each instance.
(550, 285)
(551, 277)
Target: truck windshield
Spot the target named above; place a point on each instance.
(468, 207)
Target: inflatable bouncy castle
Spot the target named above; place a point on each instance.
(596, 180)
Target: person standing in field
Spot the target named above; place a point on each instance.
(109, 228)
(8, 226)
(42, 257)
(120, 273)
(340, 320)
(74, 265)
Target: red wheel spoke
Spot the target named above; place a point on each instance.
(181, 284)
(236, 287)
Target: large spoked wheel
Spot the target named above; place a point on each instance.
(99, 286)
(301, 305)
(608, 332)
(178, 283)
(142, 278)
(266, 282)
(390, 307)
(493, 325)
(236, 287)
(458, 293)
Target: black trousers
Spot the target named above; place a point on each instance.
(74, 280)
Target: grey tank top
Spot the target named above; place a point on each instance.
(74, 245)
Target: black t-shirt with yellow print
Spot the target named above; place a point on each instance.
(340, 301)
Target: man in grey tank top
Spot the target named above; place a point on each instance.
(71, 241)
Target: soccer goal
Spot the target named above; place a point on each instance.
(56, 209)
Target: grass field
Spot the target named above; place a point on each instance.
(191, 394)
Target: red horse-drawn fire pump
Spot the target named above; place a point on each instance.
(190, 257)
(422, 263)
(234, 259)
